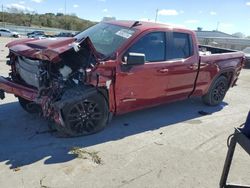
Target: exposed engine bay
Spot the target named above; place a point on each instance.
(50, 79)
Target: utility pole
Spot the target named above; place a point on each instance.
(218, 24)
(3, 17)
(156, 16)
(65, 11)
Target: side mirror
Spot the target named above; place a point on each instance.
(135, 59)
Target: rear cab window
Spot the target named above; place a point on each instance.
(181, 46)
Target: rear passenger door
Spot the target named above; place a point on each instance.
(182, 65)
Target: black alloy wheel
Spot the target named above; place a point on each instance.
(86, 115)
(219, 91)
(83, 116)
(216, 92)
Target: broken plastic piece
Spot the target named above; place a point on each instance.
(65, 71)
(76, 46)
(108, 83)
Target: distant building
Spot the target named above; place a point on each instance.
(203, 34)
(220, 39)
(108, 18)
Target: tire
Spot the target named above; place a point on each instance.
(29, 106)
(86, 116)
(216, 92)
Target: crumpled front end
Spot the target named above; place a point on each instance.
(41, 74)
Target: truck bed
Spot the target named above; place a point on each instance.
(214, 50)
(215, 54)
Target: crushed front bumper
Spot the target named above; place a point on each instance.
(8, 86)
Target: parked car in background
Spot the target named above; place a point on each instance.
(247, 55)
(36, 34)
(7, 33)
(39, 37)
(65, 34)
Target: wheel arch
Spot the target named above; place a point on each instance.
(73, 96)
(228, 73)
(79, 93)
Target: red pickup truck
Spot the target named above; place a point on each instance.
(114, 68)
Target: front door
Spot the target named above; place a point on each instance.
(145, 85)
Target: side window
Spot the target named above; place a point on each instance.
(182, 46)
(6, 31)
(152, 45)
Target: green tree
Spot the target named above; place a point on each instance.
(59, 20)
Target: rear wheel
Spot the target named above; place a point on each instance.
(216, 92)
(29, 106)
(86, 116)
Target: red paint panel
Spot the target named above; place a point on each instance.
(140, 87)
(17, 89)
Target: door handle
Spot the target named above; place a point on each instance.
(164, 70)
(203, 65)
(193, 67)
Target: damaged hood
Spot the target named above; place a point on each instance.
(48, 49)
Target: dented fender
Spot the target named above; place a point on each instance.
(49, 49)
(103, 77)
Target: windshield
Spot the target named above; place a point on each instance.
(106, 38)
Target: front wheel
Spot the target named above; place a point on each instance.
(216, 92)
(86, 116)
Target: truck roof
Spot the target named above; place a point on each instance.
(144, 25)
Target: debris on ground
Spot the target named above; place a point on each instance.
(159, 144)
(204, 113)
(83, 154)
(41, 183)
(16, 169)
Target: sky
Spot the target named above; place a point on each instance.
(228, 16)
